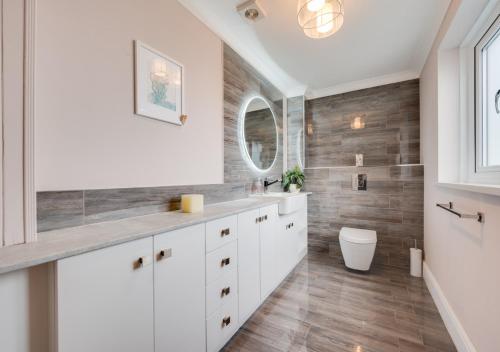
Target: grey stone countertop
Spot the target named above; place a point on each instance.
(58, 244)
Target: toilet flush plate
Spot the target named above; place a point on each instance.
(359, 182)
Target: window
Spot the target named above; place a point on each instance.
(487, 86)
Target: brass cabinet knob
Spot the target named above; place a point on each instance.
(225, 291)
(226, 321)
(225, 261)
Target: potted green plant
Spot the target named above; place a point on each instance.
(293, 180)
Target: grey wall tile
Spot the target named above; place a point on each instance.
(242, 81)
(56, 210)
(67, 209)
(391, 134)
(392, 205)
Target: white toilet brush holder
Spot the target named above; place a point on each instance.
(415, 261)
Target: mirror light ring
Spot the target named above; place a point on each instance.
(241, 135)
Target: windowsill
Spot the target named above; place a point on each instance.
(492, 190)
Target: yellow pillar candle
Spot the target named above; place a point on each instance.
(192, 203)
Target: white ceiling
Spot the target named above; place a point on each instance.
(382, 41)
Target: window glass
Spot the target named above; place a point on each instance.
(490, 90)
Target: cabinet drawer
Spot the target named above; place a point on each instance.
(221, 261)
(289, 223)
(220, 232)
(222, 325)
(221, 291)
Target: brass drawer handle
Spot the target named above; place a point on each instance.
(225, 232)
(225, 291)
(225, 261)
(226, 321)
(142, 262)
(165, 253)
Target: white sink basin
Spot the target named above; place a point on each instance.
(289, 202)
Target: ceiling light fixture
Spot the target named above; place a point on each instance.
(320, 18)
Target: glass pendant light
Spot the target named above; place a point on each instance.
(320, 18)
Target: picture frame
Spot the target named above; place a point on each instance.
(159, 85)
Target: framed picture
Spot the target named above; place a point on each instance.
(159, 85)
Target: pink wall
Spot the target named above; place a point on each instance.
(87, 135)
(462, 255)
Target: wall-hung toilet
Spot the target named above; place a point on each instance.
(358, 247)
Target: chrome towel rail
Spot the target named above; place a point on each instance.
(449, 207)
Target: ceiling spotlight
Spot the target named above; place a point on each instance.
(251, 11)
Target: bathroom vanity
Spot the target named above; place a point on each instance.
(169, 281)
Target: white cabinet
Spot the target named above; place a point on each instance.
(221, 261)
(221, 232)
(222, 325)
(248, 263)
(185, 290)
(179, 290)
(221, 279)
(291, 241)
(105, 300)
(268, 235)
(146, 295)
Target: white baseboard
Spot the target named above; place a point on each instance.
(455, 329)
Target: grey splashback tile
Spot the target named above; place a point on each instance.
(68, 209)
(57, 210)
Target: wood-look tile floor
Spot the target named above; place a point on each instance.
(322, 307)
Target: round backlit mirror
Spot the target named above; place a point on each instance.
(259, 134)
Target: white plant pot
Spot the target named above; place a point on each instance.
(293, 188)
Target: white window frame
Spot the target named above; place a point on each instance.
(469, 172)
(492, 32)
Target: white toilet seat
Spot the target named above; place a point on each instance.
(360, 236)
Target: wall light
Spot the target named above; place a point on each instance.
(358, 123)
(320, 18)
(310, 129)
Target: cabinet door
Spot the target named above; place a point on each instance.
(284, 242)
(105, 300)
(248, 263)
(268, 230)
(180, 290)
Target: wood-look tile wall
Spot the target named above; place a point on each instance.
(63, 209)
(392, 127)
(295, 131)
(241, 82)
(393, 202)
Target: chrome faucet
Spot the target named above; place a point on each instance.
(268, 183)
